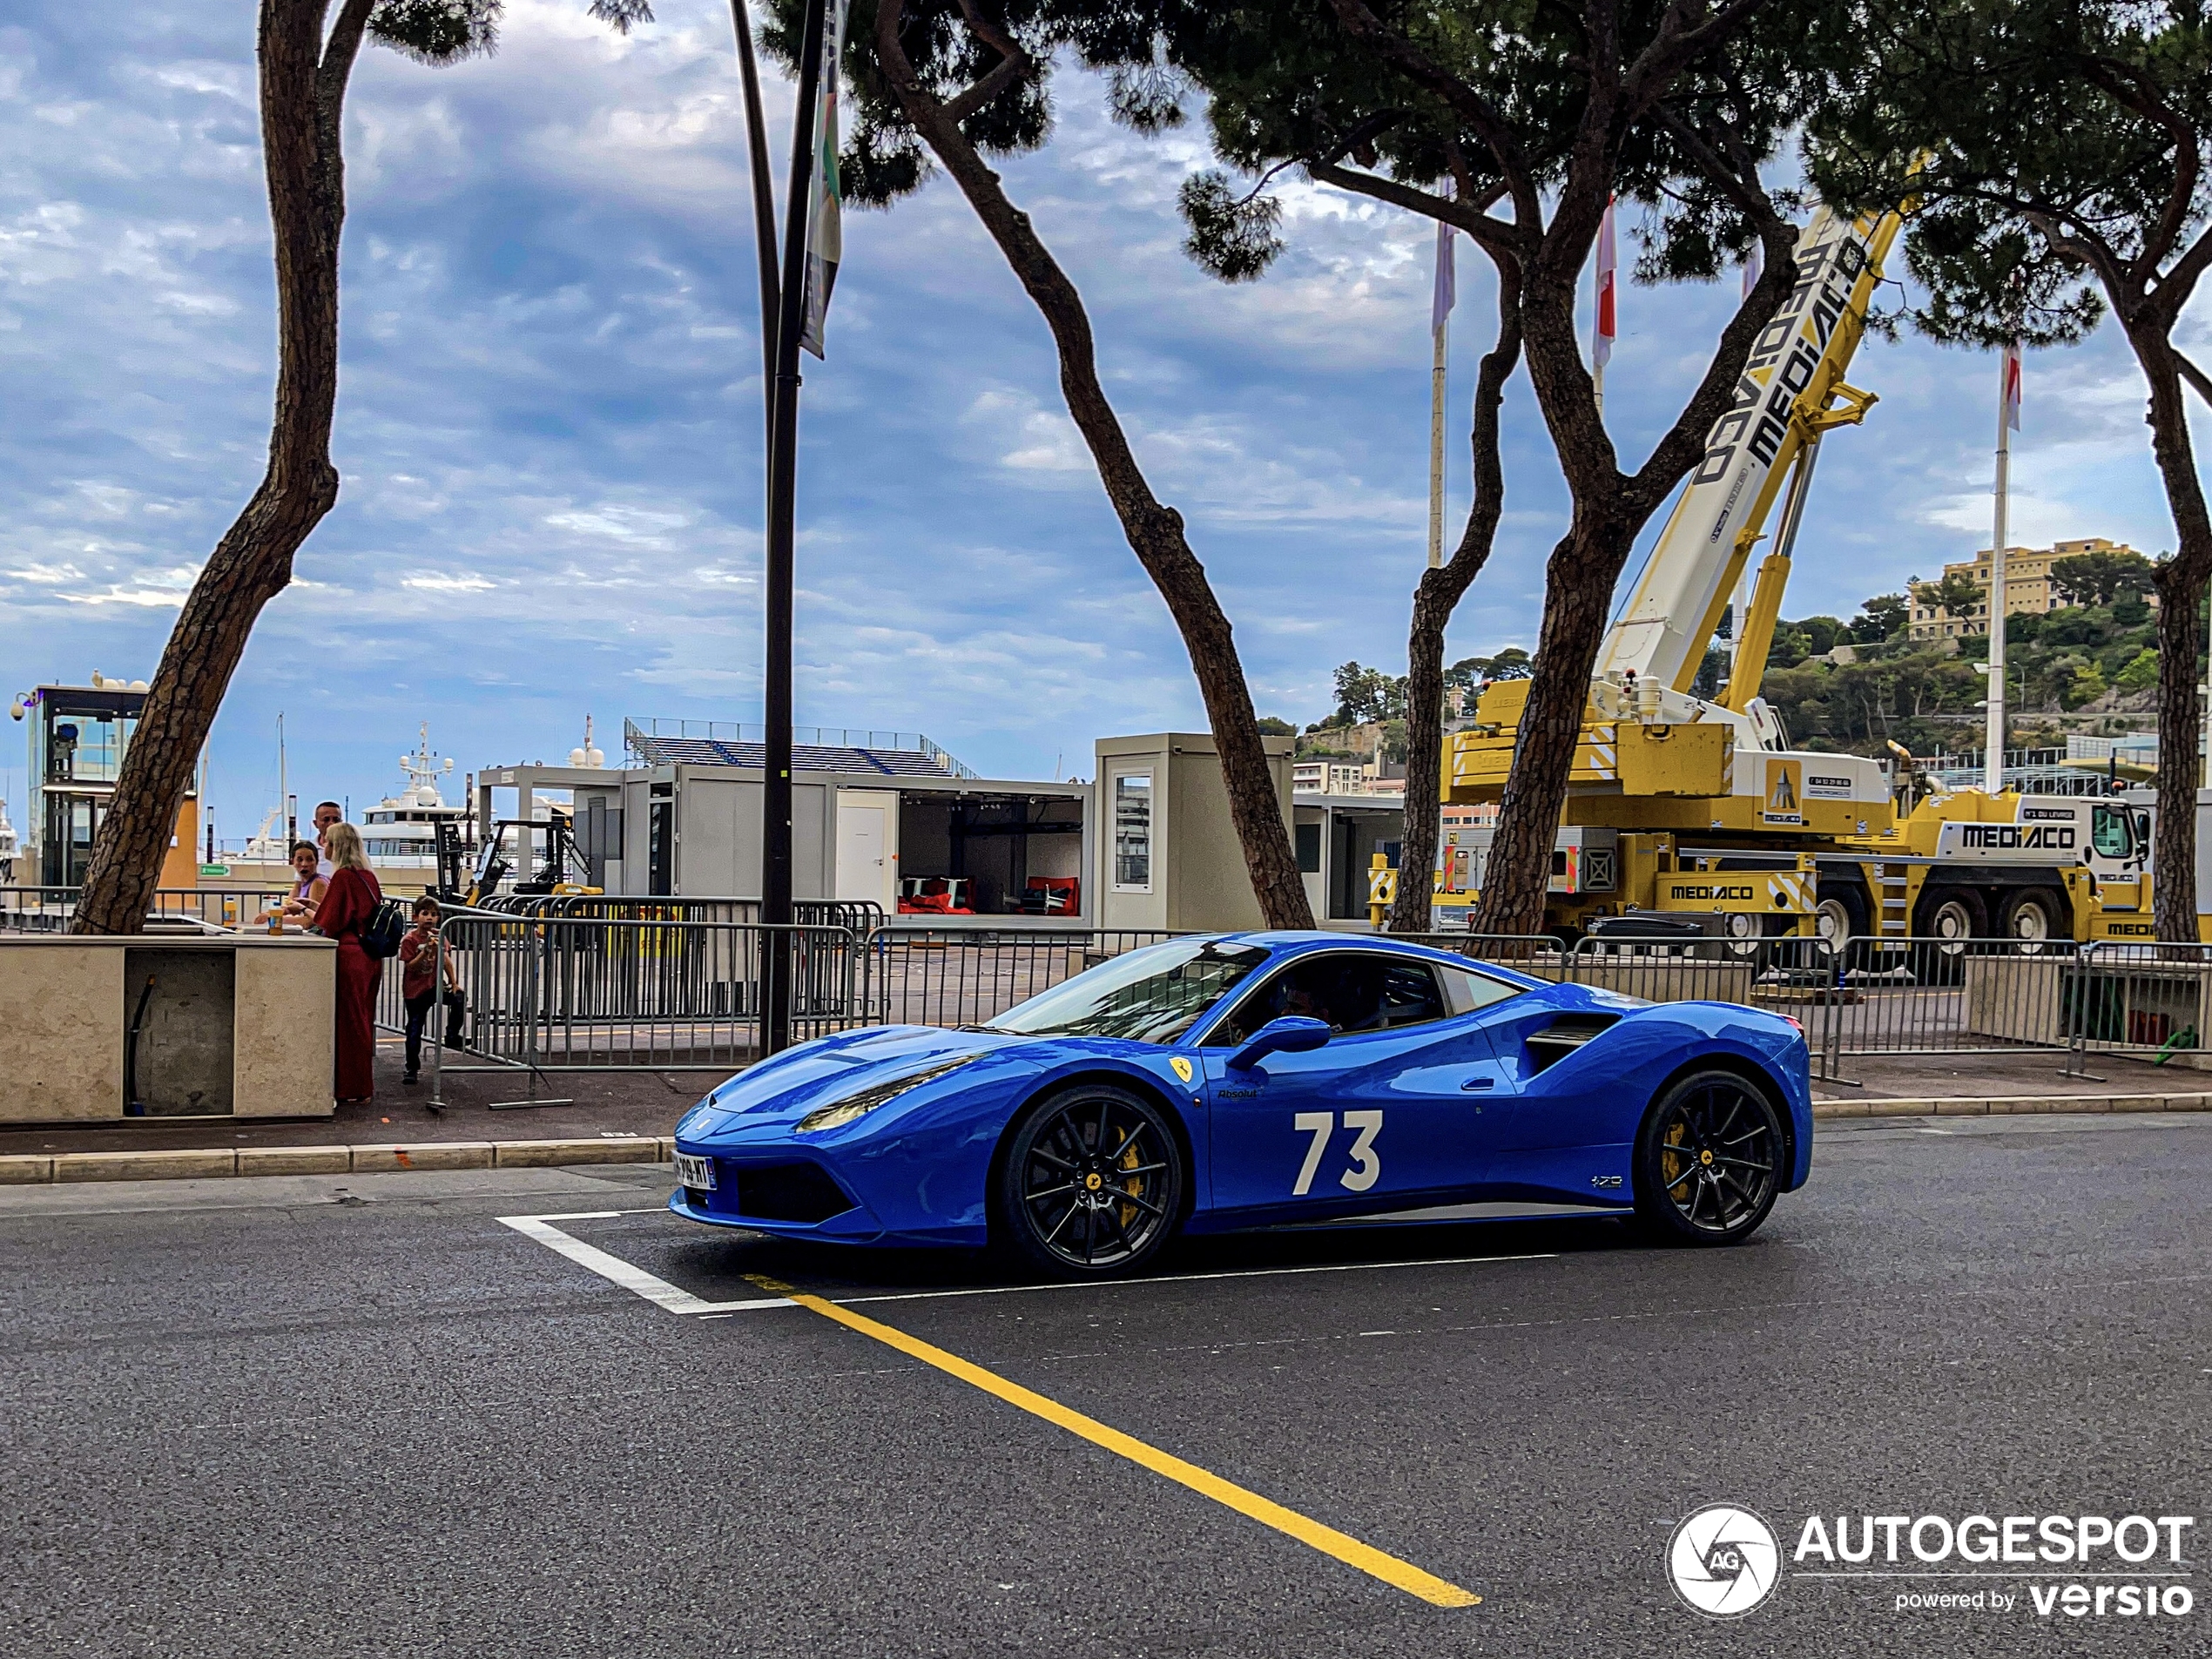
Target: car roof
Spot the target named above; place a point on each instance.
(1300, 942)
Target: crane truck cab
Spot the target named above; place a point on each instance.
(1968, 865)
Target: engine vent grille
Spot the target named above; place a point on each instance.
(1564, 1035)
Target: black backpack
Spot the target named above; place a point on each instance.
(381, 933)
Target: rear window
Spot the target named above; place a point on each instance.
(1466, 990)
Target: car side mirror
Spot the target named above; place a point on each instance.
(1292, 1034)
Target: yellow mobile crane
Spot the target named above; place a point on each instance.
(1690, 816)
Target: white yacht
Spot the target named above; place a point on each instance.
(400, 832)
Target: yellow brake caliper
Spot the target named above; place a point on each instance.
(1674, 1168)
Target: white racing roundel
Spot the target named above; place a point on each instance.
(1723, 1561)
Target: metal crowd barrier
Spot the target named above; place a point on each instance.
(589, 982)
(2148, 1001)
(594, 994)
(1952, 997)
(957, 976)
(858, 916)
(36, 909)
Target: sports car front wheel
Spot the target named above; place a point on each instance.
(1709, 1160)
(1092, 1183)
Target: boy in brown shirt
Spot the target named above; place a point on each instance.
(420, 956)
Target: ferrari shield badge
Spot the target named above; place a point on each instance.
(1182, 1066)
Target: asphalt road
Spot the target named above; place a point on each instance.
(337, 1417)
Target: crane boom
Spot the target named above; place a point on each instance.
(1689, 822)
(1792, 389)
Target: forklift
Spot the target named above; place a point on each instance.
(457, 885)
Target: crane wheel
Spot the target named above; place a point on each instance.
(1839, 913)
(2037, 917)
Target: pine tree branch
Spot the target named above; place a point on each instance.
(1014, 65)
(1480, 114)
(1493, 236)
(2132, 87)
(2196, 376)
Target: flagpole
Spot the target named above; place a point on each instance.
(1444, 293)
(1993, 758)
(783, 486)
(1436, 452)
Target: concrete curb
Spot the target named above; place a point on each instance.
(1976, 1106)
(196, 1163)
(34, 1169)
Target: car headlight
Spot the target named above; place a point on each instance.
(855, 1106)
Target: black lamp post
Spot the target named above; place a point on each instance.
(782, 315)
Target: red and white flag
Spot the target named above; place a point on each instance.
(1607, 261)
(2012, 380)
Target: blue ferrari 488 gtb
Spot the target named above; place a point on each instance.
(1257, 1080)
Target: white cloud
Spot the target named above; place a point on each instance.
(46, 575)
(1020, 433)
(147, 590)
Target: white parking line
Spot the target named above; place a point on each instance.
(676, 1299)
(613, 1269)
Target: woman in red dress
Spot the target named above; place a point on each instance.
(347, 905)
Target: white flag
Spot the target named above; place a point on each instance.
(1447, 286)
(1754, 262)
(825, 219)
(1608, 262)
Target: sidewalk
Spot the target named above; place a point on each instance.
(612, 1103)
(2019, 1074)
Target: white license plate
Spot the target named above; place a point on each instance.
(695, 1172)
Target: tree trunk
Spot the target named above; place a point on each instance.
(2182, 583)
(252, 562)
(1155, 532)
(1434, 599)
(1578, 595)
(1609, 509)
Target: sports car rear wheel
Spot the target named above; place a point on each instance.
(1092, 1183)
(1709, 1160)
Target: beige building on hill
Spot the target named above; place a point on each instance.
(2027, 586)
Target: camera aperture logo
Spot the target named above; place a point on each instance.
(1723, 1561)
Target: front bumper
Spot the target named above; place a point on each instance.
(789, 1197)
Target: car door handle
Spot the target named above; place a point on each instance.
(1479, 1082)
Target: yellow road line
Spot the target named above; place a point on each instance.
(1402, 1574)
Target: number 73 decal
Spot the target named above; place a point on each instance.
(1366, 1164)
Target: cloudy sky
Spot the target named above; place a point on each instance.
(548, 427)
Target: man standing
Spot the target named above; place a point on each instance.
(327, 814)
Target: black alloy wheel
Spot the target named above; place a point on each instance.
(1092, 1183)
(1709, 1160)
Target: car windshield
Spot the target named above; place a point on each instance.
(1149, 995)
